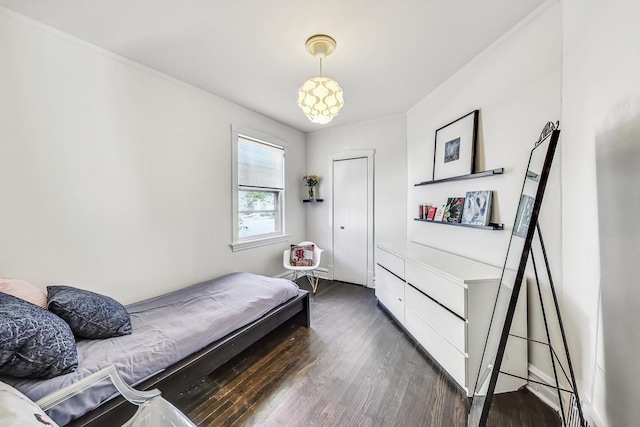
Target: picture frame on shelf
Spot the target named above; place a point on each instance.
(453, 209)
(477, 207)
(454, 150)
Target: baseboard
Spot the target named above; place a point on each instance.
(545, 393)
(548, 395)
(322, 273)
(592, 416)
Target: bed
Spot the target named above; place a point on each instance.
(177, 339)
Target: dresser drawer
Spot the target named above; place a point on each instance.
(452, 360)
(447, 324)
(392, 302)
(391, 262)
(446, 292)
(389, 281)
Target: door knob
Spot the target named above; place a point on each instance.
(342, 227)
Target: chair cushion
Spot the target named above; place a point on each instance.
(89, 314)
(302, 256)
(34, 343)
(24, 290)
(16, 409)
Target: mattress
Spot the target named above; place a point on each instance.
(166, 329)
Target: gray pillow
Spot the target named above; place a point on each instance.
(34, 343)
(90, 315)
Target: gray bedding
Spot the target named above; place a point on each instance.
(165, 330)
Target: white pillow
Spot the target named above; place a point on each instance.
(17, 410)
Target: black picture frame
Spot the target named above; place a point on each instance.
(455, 147)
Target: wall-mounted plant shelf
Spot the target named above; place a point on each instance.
(497, 171)
(491, 226)
(312, 200)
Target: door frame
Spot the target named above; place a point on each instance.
(350, 155)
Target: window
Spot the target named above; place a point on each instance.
(259, 174)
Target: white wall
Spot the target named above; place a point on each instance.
(601, 163)
(516, 85)
(114, 177)
(388, 138)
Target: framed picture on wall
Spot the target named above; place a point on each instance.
(454, 153)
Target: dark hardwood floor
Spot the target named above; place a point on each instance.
(353, 367)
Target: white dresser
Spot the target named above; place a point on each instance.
(444, 301)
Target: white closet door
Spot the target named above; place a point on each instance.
(350, 203)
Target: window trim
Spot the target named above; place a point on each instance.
(238, 244)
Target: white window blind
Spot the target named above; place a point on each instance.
(260, 165)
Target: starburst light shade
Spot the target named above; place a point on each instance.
(320, 99)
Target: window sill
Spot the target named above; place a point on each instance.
(250, 244)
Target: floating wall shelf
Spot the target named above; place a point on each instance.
(491, 226)
(497, 171)
(312, 200)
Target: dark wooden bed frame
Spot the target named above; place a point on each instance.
(179, 376)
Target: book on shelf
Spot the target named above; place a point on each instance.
(477, 207)
(432, 213)
(453, 209)
(439, 213)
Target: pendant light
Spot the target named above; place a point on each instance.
(320, 98)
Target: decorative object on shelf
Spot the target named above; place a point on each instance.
(477, 207)
(423, 209)
(439, 214)
(453, 209)
(432, 213)
(311, 181)
(320, 98)
(454, 152)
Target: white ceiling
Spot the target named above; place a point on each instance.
(390, 54)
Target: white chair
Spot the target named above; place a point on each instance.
(308, 271)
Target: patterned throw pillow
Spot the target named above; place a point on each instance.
(16, 409)
(89, 314)
(302, 256)
(34, 343)
(24, 290)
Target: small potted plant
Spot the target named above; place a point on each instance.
(311, 181)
